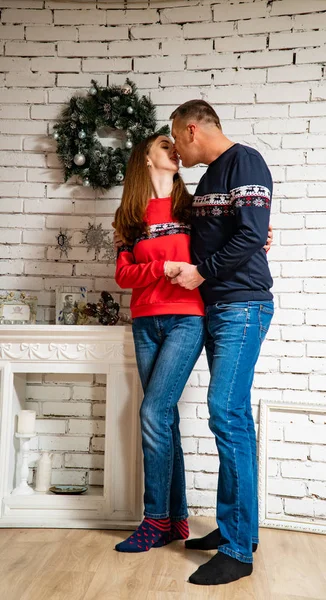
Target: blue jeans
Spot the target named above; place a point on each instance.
(235, 334)
(167, 348)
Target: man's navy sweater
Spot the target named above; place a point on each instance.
(230, 218)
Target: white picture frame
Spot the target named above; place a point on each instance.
(296, 523)
(66, 299)
(17, 308)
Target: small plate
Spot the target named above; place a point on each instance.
(68, 489)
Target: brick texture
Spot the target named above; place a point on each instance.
(262, 65)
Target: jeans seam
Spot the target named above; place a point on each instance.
(182, 477)
(156, 516)
(227, 415)
(237, 555)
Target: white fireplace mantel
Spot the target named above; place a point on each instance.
(62, 342)
(74, 349)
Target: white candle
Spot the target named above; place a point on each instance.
(26, 421)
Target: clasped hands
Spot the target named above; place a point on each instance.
(183, 274)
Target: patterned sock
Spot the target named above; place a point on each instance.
(149, 532)
(179, 531)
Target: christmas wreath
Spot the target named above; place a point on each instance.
(115, 107)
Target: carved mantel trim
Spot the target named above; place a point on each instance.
(57, 343)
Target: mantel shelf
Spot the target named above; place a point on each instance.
(65, 332)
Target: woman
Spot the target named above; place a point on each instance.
(168, 328)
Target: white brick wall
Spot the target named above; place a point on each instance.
(70, 423)
(262, 66)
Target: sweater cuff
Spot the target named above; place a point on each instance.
(203, 270)
(158, 268)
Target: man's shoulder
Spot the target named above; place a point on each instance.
(247, 152)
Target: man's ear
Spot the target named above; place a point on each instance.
(191, 128)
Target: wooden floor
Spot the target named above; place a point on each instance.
(63, 564)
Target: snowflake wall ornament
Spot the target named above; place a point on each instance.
(110, 254)
(95, 238)
(63, 242)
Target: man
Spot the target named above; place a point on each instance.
(69, 317)
(230, 218)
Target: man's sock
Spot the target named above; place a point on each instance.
(209, 542)
(179, 531)
(222, 568)
(149, 532)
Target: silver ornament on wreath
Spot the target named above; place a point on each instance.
(82, 134)
(130, 110)
(126, 89)
(79, 159)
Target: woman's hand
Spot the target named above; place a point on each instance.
(269, 239)
(117, 241)
(172, 268)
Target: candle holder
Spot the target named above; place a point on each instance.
(23, 489)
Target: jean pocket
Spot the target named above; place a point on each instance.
(267, 309)
(265, 317)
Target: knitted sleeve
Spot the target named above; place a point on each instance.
(250, 188)
(129, 274)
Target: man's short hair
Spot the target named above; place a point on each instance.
(199, 110)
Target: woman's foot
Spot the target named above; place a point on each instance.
(149, 533)
(179, 531)
(209, 542)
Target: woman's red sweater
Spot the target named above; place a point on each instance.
(141, 267)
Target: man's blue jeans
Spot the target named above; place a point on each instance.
(167, 348)
(235, 334)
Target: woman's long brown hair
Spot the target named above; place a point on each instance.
(129, 218)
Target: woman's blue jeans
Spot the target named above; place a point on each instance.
(167, 348)
(235, 334)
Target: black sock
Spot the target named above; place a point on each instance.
(208, 542)
(222, 568)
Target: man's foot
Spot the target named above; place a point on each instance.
(222, 568)
(208, 542)
(149, 533)
(179, 531)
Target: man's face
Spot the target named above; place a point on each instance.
(184, 142)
